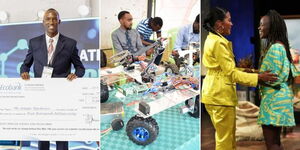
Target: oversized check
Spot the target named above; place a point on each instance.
(50, 109)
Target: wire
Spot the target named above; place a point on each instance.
(106, 130)
(104, 134)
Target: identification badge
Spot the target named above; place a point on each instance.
(47, 72)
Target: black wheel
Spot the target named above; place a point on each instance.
(142, 131)
(172, 68)
(104, 93)
(103, 59)
(117, 124)
(196, 111)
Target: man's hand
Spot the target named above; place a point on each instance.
(25, 76)
(71, 76)
(175, 53)
(141, 58)
(150, 51)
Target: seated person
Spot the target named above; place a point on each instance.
(188, 33)
(126, 38)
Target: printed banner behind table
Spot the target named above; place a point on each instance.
(14, 40)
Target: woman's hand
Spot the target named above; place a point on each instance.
(267, 77)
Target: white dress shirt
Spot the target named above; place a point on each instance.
(55, 39)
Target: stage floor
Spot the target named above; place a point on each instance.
(290, 142)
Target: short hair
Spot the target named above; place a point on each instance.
(197, 18)
(52, 9)
(212, 17)
(122, 13)
(157, 21)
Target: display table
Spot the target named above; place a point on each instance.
(176, 131)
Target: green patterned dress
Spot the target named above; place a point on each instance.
(276, 106)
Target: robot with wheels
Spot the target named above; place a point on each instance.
(142, 128)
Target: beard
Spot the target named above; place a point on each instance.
(196, 28)
(128, 28)
(195, 31)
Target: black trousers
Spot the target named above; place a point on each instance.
(60, 145)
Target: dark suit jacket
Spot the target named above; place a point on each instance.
(66, 53)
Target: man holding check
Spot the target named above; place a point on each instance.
(52, 55)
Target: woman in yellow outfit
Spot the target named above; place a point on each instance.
(219, 85)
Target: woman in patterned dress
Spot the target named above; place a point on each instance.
(276, 108)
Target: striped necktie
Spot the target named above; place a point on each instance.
(50, 48)
(128, 42)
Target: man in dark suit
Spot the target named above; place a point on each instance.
(52, 55)
(52, 50)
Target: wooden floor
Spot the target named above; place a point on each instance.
(290, 142)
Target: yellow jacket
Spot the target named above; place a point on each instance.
(219, 85)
